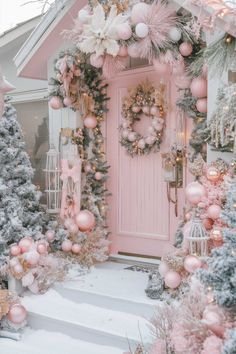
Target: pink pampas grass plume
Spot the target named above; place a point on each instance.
(113, 65)
(160, 19)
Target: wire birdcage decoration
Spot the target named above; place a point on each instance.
(53, 182)
(198, 238)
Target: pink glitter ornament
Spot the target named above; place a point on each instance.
(195, 192)
(214, 211)
(98, 176)
(90, 122)
(201, 105)
(146, 109)
(15, 250)
(192, 263)
(67, 101)
(50, 234)
(85, 220)
(124, 31)
(135, 109)
(55, 102)
(25, 244)
(198, 87)
(172, 279)
(73, 228)
(66, 246)
(42, 248)
(17, 314)
(32, 258)
(213, 174)
(76, 248)
(185, 49)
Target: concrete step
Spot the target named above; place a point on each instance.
(85, 322)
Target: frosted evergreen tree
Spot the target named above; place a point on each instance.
(20, 213)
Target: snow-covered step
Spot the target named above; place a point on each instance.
(44, 342)
(85, 322)
(112, 286)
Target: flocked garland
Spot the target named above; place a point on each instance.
(146, 100)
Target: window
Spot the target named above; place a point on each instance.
(33, 118)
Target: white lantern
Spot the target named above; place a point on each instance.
(198, 238)
(53, 182)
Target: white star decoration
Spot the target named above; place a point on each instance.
(5, 87)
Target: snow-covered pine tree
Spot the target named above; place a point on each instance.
(20, 213)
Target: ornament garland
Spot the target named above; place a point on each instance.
(146, 100)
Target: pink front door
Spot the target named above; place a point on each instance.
(141, 219)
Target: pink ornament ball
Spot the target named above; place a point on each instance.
(42, 248)
(32, 258)
(139, 12)
(133, 50)
(146, 110)
(172, 279)
(195, 192)
(98, 176)
(55, 102)
(124, 31)
(25, 244)
(90, 122)
(213, 174)
(163, 269)
(185, 49)
(67, 101)
(208, 223)
(123, 51)
(201, 105)
(214, 211)
(68, 222)
(73, 228)
(85, 220)
(198, 87)
(211, 317)
(141, 30)
(50, 234)
(96, 61)
(87, 168)
(15, 250)
(131, 136)
(13, 262)
(162, 69)
(192, 263)
(154, 110)
(76, 248)
(135, 109)
(17, 314)
(66, 246)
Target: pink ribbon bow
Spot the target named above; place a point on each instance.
(73, 172)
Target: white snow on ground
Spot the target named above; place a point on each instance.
(43, 342)
(55, 306)
(112, 279)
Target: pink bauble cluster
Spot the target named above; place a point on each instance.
(195, 192)
(90, 122)
(68, 246)
(192, 263)
(198, 89)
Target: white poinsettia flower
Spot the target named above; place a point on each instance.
(99, 34)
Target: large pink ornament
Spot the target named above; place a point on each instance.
(15, 250)
(32, 258)
(66, 246)
(192, 263)
(172, 279)
(42, 248)
(98, 176)
(25, 244)
(201, 105)
(76, 248)
(131, 136)
(195, 192)
(96, 61)
(162, 69)
(17, 314)
(55, 102)
(73, 228)
(90, 122)
(124, 31)
(213, 174)
(68, 223)
(141, 30)
(85, 220)
(67, 101)
(133, 50)
(50, 234)
(214, 211)
(198, 87)
(163, 268)
(123, 51)
(185, 49)
(139, 12)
